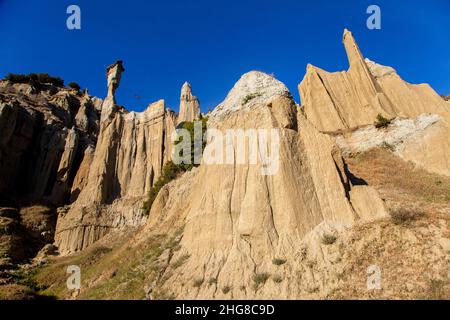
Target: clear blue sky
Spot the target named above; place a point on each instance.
(211, 43)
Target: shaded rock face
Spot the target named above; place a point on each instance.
(24, 232)
(340, 101)
(189, 105)
(114, 179)
(236, 218)
(44, 134)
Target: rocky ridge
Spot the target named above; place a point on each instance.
(346, 101)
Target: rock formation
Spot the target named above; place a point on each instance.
(43, 137)
(114, 179)
(189, 105)
(346, 101)
(96, 162)
(235, 218)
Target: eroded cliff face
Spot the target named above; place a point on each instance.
(114, 178)
(45, 132)
(346, 101)
(236, 218)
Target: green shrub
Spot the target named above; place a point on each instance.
(212, 281)
(35, 79)
(250, 97)
(328, 239)
(189, 126)
(74, 86)
(403, 216)
(198, 283)
(226, 289)
(17, 78)
(260, 278)
(171, 170)
(169, 173)
(277, 279)
(387, 146)
(278, 262)
(382, 122)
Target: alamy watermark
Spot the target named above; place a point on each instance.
(229, 147)
(374, 277)
(374, 20)
(74, 280)
(73, 21)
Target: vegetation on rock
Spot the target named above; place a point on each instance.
(171, 170)
(382, 122)
(74, 86)
(35, 79)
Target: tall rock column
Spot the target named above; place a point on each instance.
(189, 105)
(114, 74)
(367, 89)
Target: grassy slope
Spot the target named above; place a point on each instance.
(409, 251)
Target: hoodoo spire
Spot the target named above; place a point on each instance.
(189, 105)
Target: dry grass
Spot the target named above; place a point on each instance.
(404, 216)
(398, 180)
(328, 239)
(409, 258)
(16, 292)
(106, 273)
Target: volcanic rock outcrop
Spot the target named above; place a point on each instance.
(113, 180)
(235, 217)
(189, 105)
(345, 101)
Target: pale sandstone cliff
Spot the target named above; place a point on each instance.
(346, 101)
(114, 179)
(235, 218)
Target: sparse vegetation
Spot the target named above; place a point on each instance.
(180, 261)
(404, 216)
(385, 171)
(328, 239)
(35, 79)
(212, 281)
(189, 126)
(446, 98)
(26, 277)
(118, 274)
(162, 294)
(171, 170)
(387, 146)
(250, 97)
(198, 283)
(74, 86)
(260, 278)
(278, 262)
(436, 290)
(226, 289)
(277, 279)
(382, 122)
